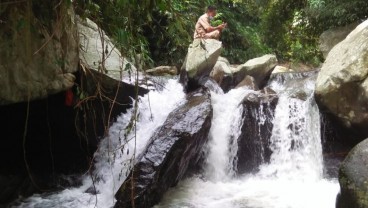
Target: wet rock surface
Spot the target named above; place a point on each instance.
(173, 148)
(254, 141)
(353, 178)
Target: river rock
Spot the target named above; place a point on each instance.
(38, 57)
(163, 71)
(259, 68)
(248, 82)
(173, 147)
(281, 69)
(342, 84)
(202, 57)
(331, 37)
(353, 178)
(221, 68)
(254, 140)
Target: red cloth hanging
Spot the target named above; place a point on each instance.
(69, 97)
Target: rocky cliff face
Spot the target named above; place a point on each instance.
(39, 54)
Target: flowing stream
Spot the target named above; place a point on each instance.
(292, 179)
(113, 157)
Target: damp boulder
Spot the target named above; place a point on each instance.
(353, 178)
(171, 150)
(254, 140)
(342, 84)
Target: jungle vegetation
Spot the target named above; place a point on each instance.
(161, 30)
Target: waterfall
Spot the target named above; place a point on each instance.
(224, 132)
(114, 155)
(296, 140)
(293, 178)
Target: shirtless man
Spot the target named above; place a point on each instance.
(203, 28)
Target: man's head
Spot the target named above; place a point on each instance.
(211, 11)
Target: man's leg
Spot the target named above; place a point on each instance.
(213, 35)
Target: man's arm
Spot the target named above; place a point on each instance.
(206, 25)
(203, 20)
(220, 27)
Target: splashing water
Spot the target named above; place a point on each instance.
(292, 179)
(113, 158)
(225, 129)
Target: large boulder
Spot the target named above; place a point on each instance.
(39, 53)
(254, 140)
(175, 146)
(342, 84)
(221, 68)
(259, 68)
(331, 37)
(97, 51)
(353, 178)
(202, 57)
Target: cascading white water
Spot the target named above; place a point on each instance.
(225, 129)
(292, 179)
(296, 138)
(113, 158)
(295, 141)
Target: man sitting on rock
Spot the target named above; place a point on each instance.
(203, 28)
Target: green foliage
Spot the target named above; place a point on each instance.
(292, 28)
(325, 14)
(242, 37)
(217, 20)
(161, 30)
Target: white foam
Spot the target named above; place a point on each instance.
(110, 170)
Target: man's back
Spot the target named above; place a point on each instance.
(202, 26)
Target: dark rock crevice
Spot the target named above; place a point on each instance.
(61, 138)
(254, 140)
